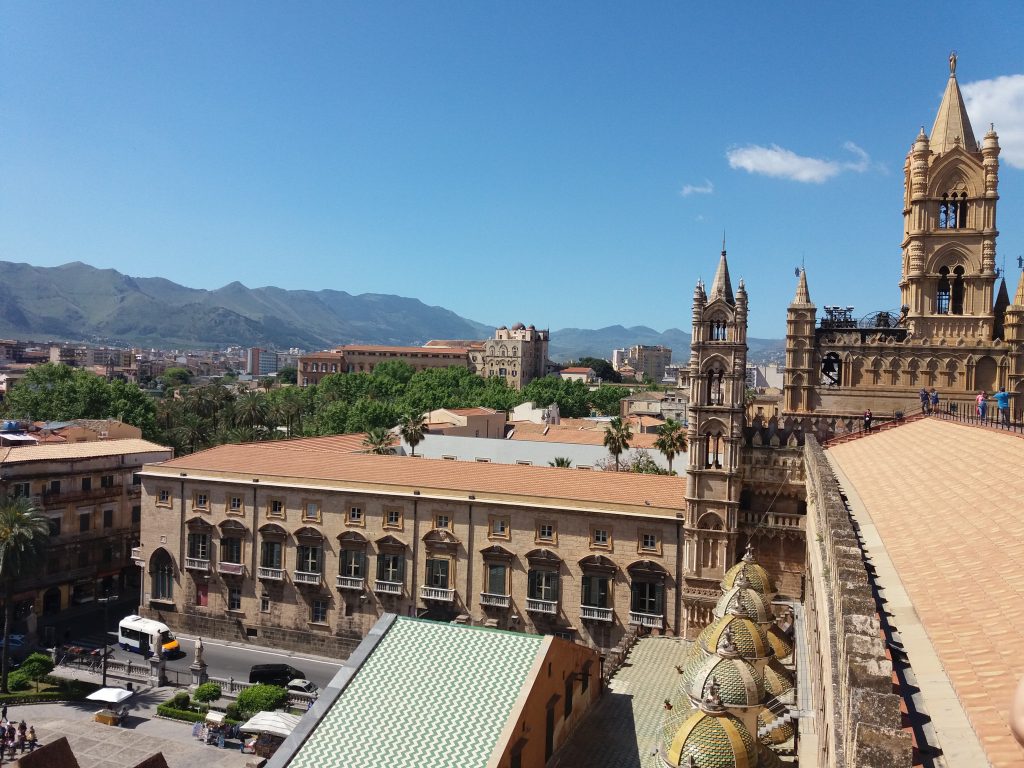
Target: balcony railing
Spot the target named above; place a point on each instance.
(542, 606)
(69, 497)
(653, 620)
(196, 564)
(497, 601)
(436, 593)
(783, 520)
(388, 587)
(274, 574)
(233, 569)
(349, 582)
(593, 613)
(306, 577)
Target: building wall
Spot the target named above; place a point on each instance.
(351, 612)
(564, 667)
(313, 367)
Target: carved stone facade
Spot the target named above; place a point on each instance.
(953, 332)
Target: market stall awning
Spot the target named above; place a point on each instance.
(277, 723)
(110, 695)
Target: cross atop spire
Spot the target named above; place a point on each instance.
(952, 125)
(803, 295)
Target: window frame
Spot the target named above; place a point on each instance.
(234, 593)
(316, 506)
(399, 524)
(538, 535)
(278, 514)
(641, 547)
(603, 543)
(164, 497)
(355, 515)
(434, 574)
(318, 610)
(231, 509)
(201, 501)
(499, 527)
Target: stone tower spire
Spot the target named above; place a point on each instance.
(799, 378)
(803, 296)
(952, 128)
(721, 286)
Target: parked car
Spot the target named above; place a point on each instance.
(301, 685)
(274, 674)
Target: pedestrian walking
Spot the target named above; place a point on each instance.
(1002, 398)
(30, 738)
(982, 404)
(867, 420)
(3, 714)
(933, 397)
(923, 394)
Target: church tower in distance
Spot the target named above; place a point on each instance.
(718, 362)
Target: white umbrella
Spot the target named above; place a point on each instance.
(277, 723)
(110, 695)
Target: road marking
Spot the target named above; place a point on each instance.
(265, 653)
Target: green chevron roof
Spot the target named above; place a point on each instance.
(428, 694)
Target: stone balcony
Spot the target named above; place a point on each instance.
(495, 601)
(306, 577)
(780, 521)
(594, 613)
(349, 582)
(271, 574)
(387, 587)
(231, 569)
(542, 606)
(197, 564)
(649, 620)
(436, 593)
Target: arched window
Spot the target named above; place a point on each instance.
(831, 370)
(715, 392)
(953, 211)
(719, 330)
(958, 291)
(162, 571)
(942, 293)
(714, 448)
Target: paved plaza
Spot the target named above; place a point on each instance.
(625, 725)
(103, 746)
(944, 502)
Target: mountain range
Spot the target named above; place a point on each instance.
(78, 302)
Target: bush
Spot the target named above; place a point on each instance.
(18, 681)
(180, 700)
(36, 667)
(188, 715)
(207, 692)
(261, 698)
(231, 712)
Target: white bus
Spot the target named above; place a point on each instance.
(135, 633)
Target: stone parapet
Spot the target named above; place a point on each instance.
(855, 707)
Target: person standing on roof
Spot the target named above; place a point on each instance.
(934, 401)
(923, 394)
(982, 402)
(1002, 398)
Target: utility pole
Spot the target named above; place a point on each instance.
(106, 622)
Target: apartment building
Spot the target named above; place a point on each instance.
(91, 495)
(306, 544)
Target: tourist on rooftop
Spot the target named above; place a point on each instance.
(982, 401)
(934, 397)
(923, 394)
(1002, 398)
(867, 420)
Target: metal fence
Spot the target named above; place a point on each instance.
(966, 412)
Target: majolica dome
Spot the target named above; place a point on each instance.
(742, 600)
(708, 737)
(777, 679)
(779, 734)
(757, 577)
(738, 683)
(780, 642)
(735, 635)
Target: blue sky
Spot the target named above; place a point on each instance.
(561, 164)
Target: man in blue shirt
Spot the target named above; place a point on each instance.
(1002, 398)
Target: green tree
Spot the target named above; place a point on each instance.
(368, 413)
(380, 441)
(671, 440)
(23, 535)
(603, 368)
(331, 418)
(261, 698)
(412, 428)
(616, 438)
(561, 461)
(573, 397)
(606, 399)
(642, 464)
(36, 667)
(207, 692)
(251, 410)
(288, 375)
(176, 376)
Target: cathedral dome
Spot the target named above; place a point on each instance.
(780, 734)
(780, 642)
(735, 636)
(756, 576)
(708, 737)
(742, 600)
(777, 679)
(738, 683)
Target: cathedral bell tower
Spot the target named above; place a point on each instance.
(949, 225)
(718, 363)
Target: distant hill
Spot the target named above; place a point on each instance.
(77, 302)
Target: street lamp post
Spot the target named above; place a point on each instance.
(106, 622)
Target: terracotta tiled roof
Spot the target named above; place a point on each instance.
(577, 370)
(577, 436)
(472, 411)
(312, 460)
(355, 348)
(87, 450)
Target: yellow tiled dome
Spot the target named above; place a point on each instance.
(710, 737)
(780, 642)
(780, 734)
(742, 600)
(777, 679)
(738, 683)
(757, 576)
(738, 636)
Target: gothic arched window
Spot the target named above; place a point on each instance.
(719, 330)
(714, 446)
(958, 291)
(942, 292)
(715, 391)
(953, 211)
(831, 370)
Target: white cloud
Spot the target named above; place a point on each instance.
(786, 164)
(698, 189)
(999, 101)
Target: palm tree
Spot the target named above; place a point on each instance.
(23, 535)
(251, 410)
(561, 461)
(380, 441)
(671, 440)
(616, 438)
(412, 428)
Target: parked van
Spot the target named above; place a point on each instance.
(135, 633)
(274, 674)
